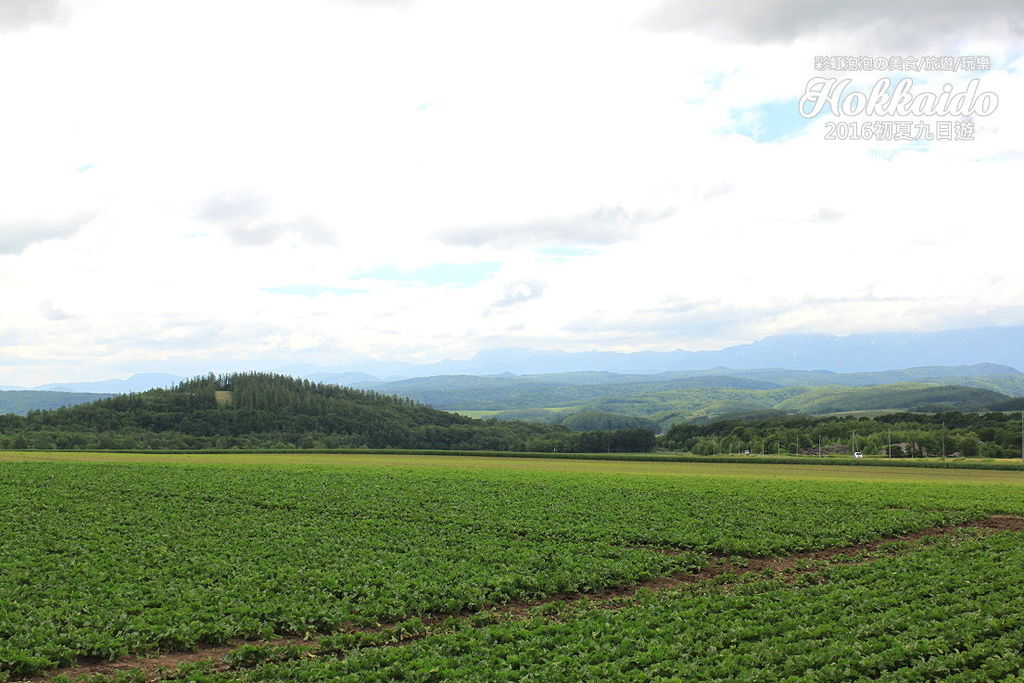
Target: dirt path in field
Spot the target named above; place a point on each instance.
(803, 562)
(152, 666)
(788, 567)
(813, 559)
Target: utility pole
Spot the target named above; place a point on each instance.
(819, 445)
(1022, 436)
(888, 448)
(943, 443)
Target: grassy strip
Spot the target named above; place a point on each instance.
(958, 463)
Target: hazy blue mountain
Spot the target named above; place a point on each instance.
(463, 391)
(1001, 378)
(880, 351)
(990, 353)
(135, 383)
(964, 375)
(20, 402)
(914, 374)
(853, 353)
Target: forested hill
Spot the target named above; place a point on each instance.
(20, 402)
(257, 410)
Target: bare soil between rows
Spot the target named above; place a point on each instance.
(790, 565)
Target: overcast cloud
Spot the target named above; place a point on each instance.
(16, 236)
(518, 292)
(426, 179)
(244, 215)
(909, 23)
(605, 225)
(235, 207)
(19, 14)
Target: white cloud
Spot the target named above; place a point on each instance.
(247, 218)
(605, 225)
(16, 235)
(168, 167)
(518, 292)
(234, 207)
(20, 14)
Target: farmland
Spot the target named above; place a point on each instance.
(946, 611)
(108, 556)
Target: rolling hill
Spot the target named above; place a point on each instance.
(895, 397)
(20, 402)
(253, 410)
(668, 397)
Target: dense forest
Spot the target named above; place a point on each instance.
(662, 400)
(259, 411)
(991, 434)
(256, 410)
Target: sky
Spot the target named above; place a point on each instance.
(245, 184)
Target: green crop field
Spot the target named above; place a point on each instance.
(403, 567)
(948, 612)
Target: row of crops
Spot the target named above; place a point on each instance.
(950, 612)
(105, 561)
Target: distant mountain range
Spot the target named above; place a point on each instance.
(1000, 378)
(1002, 348)
(20, 402)
(139, 382)
(853, 353)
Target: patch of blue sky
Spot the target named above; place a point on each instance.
(1012, 61)
(715, 81)
(769, 122)
(457, 274)
(312, 290)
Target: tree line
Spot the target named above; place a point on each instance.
(991, 434)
